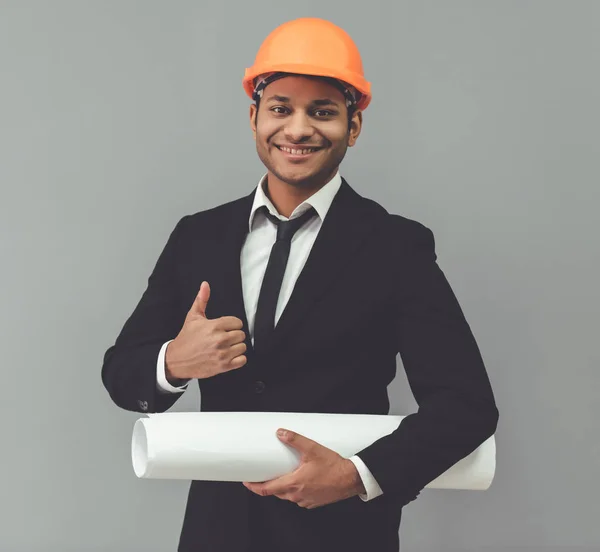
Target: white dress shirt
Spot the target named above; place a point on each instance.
(253, 264)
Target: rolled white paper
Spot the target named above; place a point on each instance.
(243, 446)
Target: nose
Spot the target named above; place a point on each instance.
(298, 127)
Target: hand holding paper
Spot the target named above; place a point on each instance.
(323, 476)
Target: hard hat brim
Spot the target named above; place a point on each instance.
(354, 79)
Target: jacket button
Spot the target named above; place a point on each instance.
(259, 386)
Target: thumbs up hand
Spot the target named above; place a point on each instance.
(204, 348)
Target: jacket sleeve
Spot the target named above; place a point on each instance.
(446, 374)
(129, 367)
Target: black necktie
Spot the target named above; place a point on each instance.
(269, 292)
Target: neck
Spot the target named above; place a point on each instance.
(286, 197)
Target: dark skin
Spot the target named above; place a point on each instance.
(304, 112)
(304, 120)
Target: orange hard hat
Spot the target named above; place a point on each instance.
(310, 46)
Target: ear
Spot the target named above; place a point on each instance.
(355, 128)
(253, 112)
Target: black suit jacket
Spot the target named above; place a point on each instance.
(370, 289)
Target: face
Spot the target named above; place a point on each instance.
(302, 131)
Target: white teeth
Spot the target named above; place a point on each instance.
(297, 151)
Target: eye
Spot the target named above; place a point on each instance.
(326, 112)
(284, 109)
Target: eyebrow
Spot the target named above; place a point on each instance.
(285, 99)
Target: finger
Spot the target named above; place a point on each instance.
(279, 486)
(237, 350)
(237, 362)
(201, 300)
(299, 442)
(229, 323)
(236, 357)
(234, 337)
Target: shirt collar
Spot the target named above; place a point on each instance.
(320, 200)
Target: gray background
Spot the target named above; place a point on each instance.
(119, 117)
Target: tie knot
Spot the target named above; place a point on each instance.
(287, 228)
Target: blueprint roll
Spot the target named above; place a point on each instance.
(243, 446)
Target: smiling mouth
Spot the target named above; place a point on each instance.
(297, 152)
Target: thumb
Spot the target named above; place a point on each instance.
(302, 444)
(201, 300)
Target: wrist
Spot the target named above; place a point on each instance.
(171, 377)
(356, 482)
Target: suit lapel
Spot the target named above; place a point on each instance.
(346, 226)
(231, 302)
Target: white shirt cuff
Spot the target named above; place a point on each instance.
(162, 385)
(371, 486)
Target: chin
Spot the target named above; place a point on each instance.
(297, 178)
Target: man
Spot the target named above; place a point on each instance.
(298, 298)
